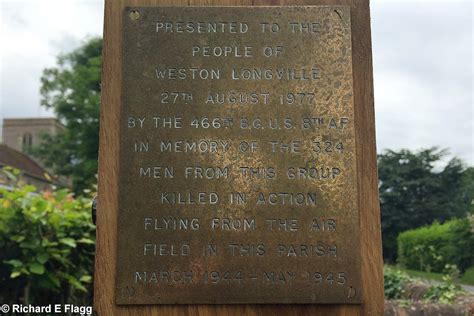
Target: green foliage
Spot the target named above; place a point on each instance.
(395, 282)
(447, 291)
(444, 293)
(424, 275)
(468, 191)
(72, 90)
(47, 241)
(468, 276)
(414, 194)
(451, 272)
(431, 248)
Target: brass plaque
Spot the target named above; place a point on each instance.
(237, 157)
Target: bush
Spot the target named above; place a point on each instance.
(47, 241)
(395, 282)
(431, 248)
(448, 290)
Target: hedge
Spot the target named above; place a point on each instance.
(430, 248)
(47, 243)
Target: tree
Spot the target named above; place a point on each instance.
(468, 189)
(414, 194)
(72, 91)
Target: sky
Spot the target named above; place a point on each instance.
(422, 52)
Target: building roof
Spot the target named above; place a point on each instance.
(13, 158)
(32, 121)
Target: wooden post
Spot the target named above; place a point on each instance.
(105, 264)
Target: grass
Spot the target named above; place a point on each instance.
(424, 275)
(467, 278)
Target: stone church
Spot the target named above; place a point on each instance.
(23, 133)
(18, 136)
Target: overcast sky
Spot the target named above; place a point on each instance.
(423, 65)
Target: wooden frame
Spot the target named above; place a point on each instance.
(371, 250)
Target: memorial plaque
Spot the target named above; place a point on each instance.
(237, 157)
